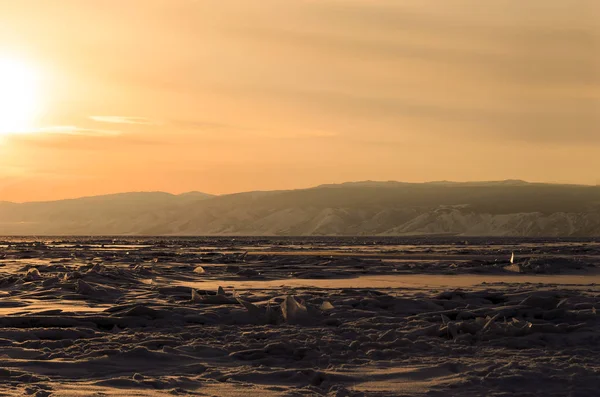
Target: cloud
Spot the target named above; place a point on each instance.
(531, 58)
(73, 130)
(63, 130)
(296, 134)
(123, 120)
(240, 131)
(80, 139)
(202, 125)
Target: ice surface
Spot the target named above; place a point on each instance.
(79, 319)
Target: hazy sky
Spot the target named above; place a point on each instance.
(234, 95)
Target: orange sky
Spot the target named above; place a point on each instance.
(233, 95)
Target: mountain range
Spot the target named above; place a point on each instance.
(496, 208)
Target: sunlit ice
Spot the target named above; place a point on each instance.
(19, 95)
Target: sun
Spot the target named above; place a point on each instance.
(18, 96)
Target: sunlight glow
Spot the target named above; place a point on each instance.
(19, 97)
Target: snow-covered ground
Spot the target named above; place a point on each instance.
(223, 317)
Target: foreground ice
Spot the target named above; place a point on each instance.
(89, 320)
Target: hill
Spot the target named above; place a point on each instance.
(505, 208)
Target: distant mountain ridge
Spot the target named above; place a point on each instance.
(495, 208)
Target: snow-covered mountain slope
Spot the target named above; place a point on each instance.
(390, 208)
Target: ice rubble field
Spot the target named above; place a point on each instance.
(299, 317)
